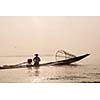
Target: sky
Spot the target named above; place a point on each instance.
(26, 35)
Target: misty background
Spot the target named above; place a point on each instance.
(45, 35)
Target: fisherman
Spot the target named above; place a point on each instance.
(36, 60)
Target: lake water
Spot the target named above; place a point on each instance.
(82, 72)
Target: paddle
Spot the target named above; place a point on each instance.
(29, 61)
(20, 64)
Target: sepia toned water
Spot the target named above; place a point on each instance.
(81, 72)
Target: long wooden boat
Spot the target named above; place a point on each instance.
(61, 62)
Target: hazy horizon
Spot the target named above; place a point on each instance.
(46, 35)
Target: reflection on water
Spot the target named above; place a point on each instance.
(36, 72)
(66, 78)
(52, 74)
(72, 73)
(33, 71)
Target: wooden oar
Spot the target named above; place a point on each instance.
(20, 64)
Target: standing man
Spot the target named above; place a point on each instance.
(36, 60)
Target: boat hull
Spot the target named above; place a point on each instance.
(71, 60)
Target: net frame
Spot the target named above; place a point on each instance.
(65, 55)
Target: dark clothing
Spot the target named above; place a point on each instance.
(29, 61)
(36, 61)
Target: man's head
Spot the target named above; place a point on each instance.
(36, 55)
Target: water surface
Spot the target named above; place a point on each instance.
(78, 73)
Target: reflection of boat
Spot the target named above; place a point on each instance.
(60, 62)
